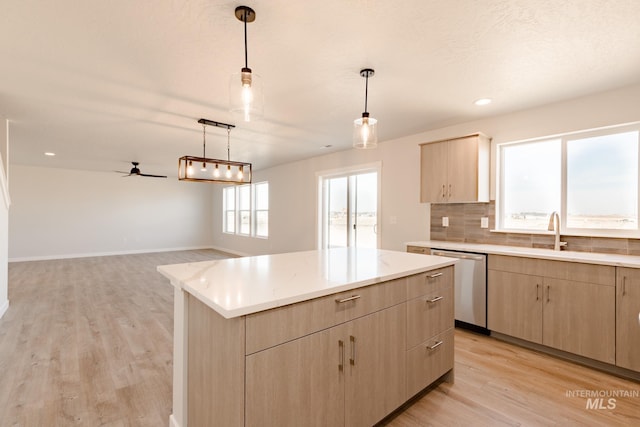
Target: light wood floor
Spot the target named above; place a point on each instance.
(88, 342)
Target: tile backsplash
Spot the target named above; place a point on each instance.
(464, 226)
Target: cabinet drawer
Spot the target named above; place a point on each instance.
(423, 283)
(272, 327)
(576, 271)
(430, 314)
(418, 250)
(429, 361)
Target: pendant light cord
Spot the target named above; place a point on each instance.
(204, 140)
(246, 56)
(228, 144)
(366, 92)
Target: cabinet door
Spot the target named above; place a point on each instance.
(462, 172)
(433, 172)
(375, 366)
(628, 318)
(514, 305)
(298, 383)
(579, 318)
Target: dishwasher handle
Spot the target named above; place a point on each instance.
(460, 255)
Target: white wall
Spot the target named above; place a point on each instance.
(4, 216)
(293, 186)
(59, 213)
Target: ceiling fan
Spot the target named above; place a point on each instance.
(136, 172)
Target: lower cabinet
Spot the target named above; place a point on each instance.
(628, 318)
(534, 300)
(353, 374)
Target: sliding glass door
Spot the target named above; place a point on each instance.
(350, 210)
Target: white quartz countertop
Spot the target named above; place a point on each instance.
(584, 257)
(239, 286)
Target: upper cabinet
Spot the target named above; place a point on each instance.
(455, 170)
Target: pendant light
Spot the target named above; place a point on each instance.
(212, 169)
(245, 87)
(365, 129)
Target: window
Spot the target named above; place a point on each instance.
(261, 209)
(246, 210)
(590, 178)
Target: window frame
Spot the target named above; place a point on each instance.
(562, 209)
(237, 212)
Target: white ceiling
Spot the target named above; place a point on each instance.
(101, 83)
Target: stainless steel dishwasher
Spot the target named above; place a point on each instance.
(470, 288)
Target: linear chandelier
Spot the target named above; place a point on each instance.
(203, 169)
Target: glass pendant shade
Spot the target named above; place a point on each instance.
(365, 132)
(245, 95)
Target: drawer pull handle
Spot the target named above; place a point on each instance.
(340, 355)
(436, 345)
(351, 298)
(434, 300)
(433, 276)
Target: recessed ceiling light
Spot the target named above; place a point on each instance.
(482, 101)
(49, 153)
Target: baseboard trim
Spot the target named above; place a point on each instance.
(173, 422)
(230, 251)
(109, 253)
(3, 308)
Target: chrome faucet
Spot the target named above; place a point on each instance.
(554, 225)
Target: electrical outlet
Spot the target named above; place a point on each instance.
(445, 221)
(484, 222)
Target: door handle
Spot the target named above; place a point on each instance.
(548, 293)
(443, 192)
(624, 285)
(340, 355)
(449, 190)
(352, 360)
(537, 291)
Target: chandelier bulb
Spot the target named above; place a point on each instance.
(216, 171)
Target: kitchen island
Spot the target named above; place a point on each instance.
(335, 337)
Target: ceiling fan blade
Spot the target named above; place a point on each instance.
(122, 172)
(153, 176)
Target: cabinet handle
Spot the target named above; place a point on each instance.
(443, 192)
(433, 276)
(352, 360)
(449, 190)
(537, 291)
(351, 298)
(436, 299)
(624, 285)
(340, 355)
(548, 293)
(436, 345)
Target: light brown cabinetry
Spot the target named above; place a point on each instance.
(430, 326)
(455, 170)
(564, 305)
(339, 360)
(628, 318)
(353, 374)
